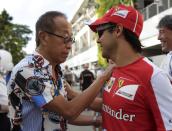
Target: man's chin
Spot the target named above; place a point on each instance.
(105, 56)
(164, 49)
(61, 61)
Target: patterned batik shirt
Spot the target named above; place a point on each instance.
(32, 86)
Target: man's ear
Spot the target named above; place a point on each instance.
(43, 37)
(119, 30)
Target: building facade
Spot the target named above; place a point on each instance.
(85, 49)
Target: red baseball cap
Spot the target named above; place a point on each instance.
(129, 17)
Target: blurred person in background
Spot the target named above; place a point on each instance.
(165, 37)
(6, 65)
(86, 77)
(68, 75)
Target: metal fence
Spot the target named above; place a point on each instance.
(155, 8)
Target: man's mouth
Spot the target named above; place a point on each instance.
(163, 43)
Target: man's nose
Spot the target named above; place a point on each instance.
(159, 36)
(69, 45)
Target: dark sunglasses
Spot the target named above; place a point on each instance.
(66, 39)
(101, 29)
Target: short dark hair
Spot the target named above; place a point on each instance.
(131, 38)
(46, 23)
(166, 21)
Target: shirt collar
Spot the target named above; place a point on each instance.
(46, 62)
(170, 53)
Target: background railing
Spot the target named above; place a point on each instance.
(155, 8)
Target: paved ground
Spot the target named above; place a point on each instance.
(81, 128)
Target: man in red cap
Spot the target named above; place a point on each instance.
(138, 95)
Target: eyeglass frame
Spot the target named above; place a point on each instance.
(66, 39)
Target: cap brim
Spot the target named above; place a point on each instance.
(93, 26)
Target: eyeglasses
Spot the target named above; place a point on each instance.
(100, 30)
(66, 39)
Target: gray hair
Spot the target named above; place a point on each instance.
(46, 23)
(166, 21)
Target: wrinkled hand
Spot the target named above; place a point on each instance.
(70, 92)
(67, 86)
(68, 89)
(108, 72)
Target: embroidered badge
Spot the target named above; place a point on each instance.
(122, 13)
(109, 84)
(120, 83)
(127, 91)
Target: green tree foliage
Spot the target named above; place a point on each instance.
(13, 37)
(102, 7)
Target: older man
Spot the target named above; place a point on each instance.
(36, 89)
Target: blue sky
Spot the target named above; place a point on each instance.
(26, 12)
